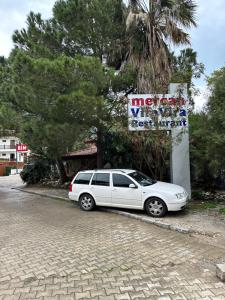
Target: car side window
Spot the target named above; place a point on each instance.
(121, 181)
(101, 179)
(83, 178)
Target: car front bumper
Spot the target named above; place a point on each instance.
(176, 206)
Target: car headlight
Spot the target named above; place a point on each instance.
(181, 195)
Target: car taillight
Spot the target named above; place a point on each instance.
(71, 187)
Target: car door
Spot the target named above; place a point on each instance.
(122, 194)
(100, 187)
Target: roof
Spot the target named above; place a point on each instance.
(91, 149)
(126, 171)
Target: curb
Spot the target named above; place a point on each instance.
(43, 195)
(146, 219)
(158, 223)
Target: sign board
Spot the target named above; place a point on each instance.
(21, 148)
(157, 112)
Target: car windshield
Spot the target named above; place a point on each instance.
(142, 179)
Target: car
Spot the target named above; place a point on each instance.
(124, 188)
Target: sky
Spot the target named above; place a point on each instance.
(207, 39)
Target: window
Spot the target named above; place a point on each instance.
(121, 181)
(142, 179)
(83, 178)
(101, 179)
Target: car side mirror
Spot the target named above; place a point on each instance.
(132, 186)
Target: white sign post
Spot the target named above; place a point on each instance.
(180, 155)
(167, 112)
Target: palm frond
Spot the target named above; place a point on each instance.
(174, 34)
(184, 12)
(138, 5)
(150, 31)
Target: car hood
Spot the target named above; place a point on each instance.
(165, 187)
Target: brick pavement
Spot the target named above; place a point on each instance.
(52, 250)
(207, 223)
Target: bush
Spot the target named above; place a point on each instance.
(36, 171)
(8, 170)
(197, 195)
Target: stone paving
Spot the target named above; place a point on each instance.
(50, 249)
(205, 224)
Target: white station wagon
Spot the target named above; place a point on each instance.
(126, 189)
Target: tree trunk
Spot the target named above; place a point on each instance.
(99, 149)
(61, 170)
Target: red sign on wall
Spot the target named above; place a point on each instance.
(21, 148)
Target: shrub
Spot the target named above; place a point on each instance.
(222, 211)
(36, 171)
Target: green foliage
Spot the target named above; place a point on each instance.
(209, 205)
(197, 195)
(9, 118)
(216, 112)
(41, 38)
(92, 28)
(207, 134)
(199, 151)
(117, 149)
(150, 30)
(58, 97)
(185, 68)
(35, 172)
(222, 211)
(56, 86)
(147, 152)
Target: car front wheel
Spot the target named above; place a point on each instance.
(155, 207)
(86, 202)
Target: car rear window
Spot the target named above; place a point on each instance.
(101, 179)
(83, 178)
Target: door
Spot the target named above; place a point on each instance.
(12, 156)
(123, 195)
(100, 187)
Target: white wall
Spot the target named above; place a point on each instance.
(5, 153)
(6, 140)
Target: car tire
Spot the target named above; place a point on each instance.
(155, 207)
(86, 202)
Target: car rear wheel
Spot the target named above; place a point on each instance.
(155, 207)
(86, 202)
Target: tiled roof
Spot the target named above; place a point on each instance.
(91, 149)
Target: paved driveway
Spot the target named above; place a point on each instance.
(49, 249)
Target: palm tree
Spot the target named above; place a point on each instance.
(151, 29)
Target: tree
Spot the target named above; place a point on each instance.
(150, 30)
(185, 67)
(57, 69)
(58, 99)
(207, 134)
(199, 155)
(42, 38)
(216, 113)
(10, 120)
(93, 28)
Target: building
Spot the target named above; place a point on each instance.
(8, 149)
(83, 159)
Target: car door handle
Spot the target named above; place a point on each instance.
(114, 190)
